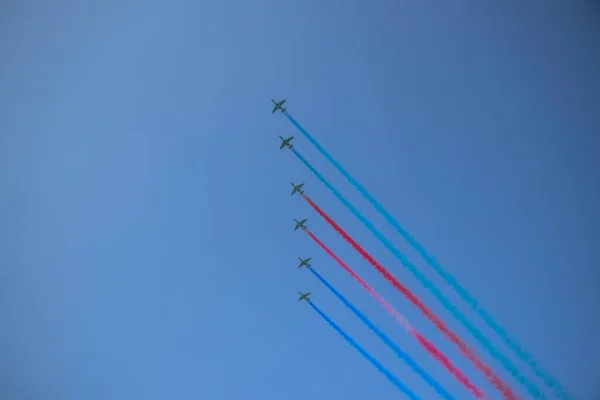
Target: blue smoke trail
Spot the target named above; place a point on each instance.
(411, 363)
(463, 292)
(395, 381)
(427, 284)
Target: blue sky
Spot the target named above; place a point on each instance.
(147, 249)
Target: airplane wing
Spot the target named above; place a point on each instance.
(274, 109)
(282, 144)
(300, 185)
(304, 220)
(282, 101)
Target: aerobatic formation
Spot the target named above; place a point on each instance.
(497, 371)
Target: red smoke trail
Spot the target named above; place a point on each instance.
(464, 349)
(427, 345)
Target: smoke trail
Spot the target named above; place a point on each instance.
(411, 363)
(465, 350)
(426, 344)
(395, 381)
(468, 353)
(524, 355)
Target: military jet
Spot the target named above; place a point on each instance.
(278, 106)
(304, 262)
(300, 224)
(297, 188)
(286, 142)
(304, 296)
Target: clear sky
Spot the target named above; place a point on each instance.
(146, 243)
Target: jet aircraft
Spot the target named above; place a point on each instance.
(297, 188)
(304, 262)
(278, 106)
(300, 224)
(286, 142)
(304, 296)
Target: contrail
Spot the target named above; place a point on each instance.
(519, 350)
(407, 359)
(426, 344)
(395, 381)
(465, 350)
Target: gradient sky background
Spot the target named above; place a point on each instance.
(146, 243)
